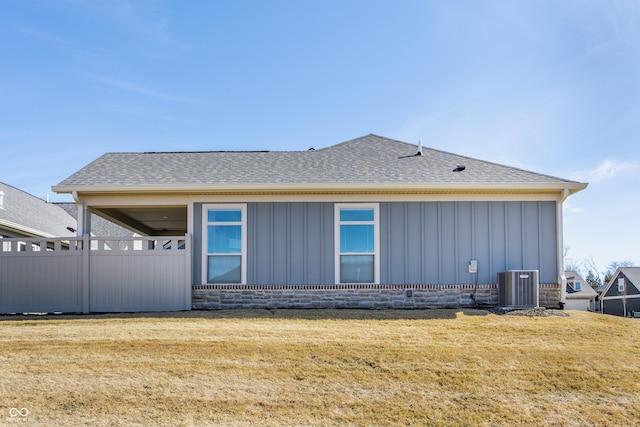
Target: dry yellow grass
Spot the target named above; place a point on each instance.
(236, 368)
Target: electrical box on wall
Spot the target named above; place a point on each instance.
(473, 266)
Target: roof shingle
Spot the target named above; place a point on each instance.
(367, 160)
(30, 215)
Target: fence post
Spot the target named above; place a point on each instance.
(188, 263)
(86, 251)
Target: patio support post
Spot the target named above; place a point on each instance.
(84, 216)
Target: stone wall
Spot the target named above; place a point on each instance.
(216, 297)
(344, 296)
(549, 295)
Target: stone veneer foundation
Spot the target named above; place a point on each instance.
(371, 296)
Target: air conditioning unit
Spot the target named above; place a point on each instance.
(518, 288)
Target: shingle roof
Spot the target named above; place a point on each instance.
(631, 273)
(585, 291)
(24, 214)
(368, 160)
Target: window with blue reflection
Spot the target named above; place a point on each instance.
(356, 238)
(224, 269)
(223, 243)
(357, 245)
(356, 214)
(224, 239)
(224, 215)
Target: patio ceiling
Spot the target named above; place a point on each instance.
(150, 221)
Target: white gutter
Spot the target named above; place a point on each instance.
(306, 187)
(562, 280)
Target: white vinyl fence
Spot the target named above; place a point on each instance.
(95, 274)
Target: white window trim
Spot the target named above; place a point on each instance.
(2, 200)
(243, 223)
(376, 236)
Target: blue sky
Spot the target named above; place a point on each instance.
(549, 86)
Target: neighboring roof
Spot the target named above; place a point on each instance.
(24, 215)
(368, 162)
(585, 291)
(99, 225)
(631, 273)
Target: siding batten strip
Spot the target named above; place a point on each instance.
(523, 235)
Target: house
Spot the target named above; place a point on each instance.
(336, 226)
(371, 222)
(621, 295)
(24, 215)
(579, 294)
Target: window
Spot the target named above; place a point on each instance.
(621, 285)
(224, 244)
(357, 243)
(576, 286)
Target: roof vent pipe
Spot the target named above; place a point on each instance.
(419, 153)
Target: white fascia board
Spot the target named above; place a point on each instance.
(305, 187)
(370, 197)
(139, 199)
(617, 297)
(24, 230)
(614, 279)
(580, 296)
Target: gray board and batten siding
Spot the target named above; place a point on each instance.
(292, 243)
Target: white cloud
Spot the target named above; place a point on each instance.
(607, 170)
(143, 90)
(618, 31)
(147, 20)
(472, 122)
(570, 208)
(144, 112)
(49, 38)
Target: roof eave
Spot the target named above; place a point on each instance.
(571, 187)
(29, 231)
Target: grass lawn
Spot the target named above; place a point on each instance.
(325, 367)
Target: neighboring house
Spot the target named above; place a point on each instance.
(99, 225)
(24, 215)
(621, 295)
(371, 222)
(580, 295)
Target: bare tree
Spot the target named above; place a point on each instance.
(613, 266)
(570, 263)
(593, 277)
